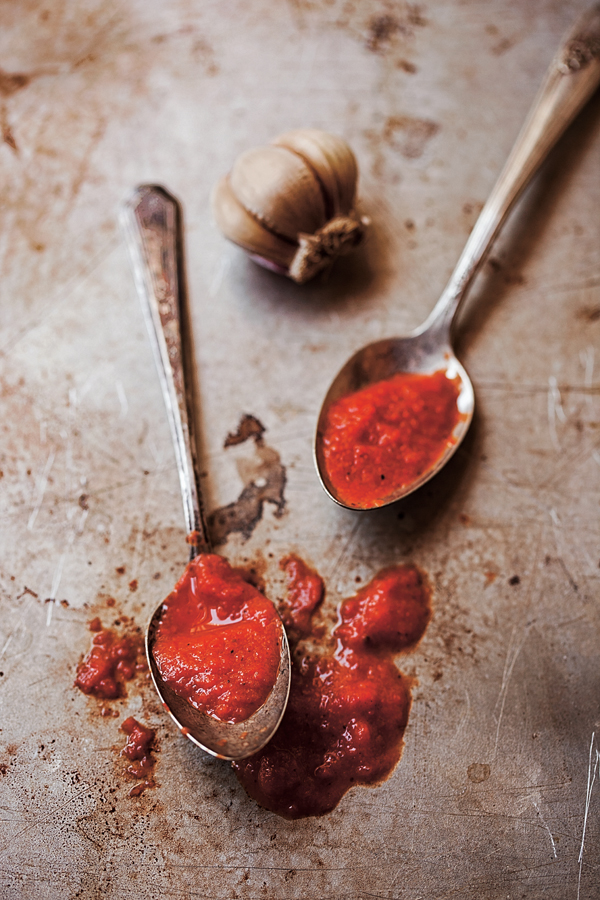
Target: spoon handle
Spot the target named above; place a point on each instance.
(152, 224)
(570, 81)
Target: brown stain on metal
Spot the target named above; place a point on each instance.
(387, 30)
(403, 134)
(455, 641)
(27, 590)
(8, 136)
(11, 82)
(7, 758)
(249, 427)
(71, 134)
(409, 135)
(383, 28)
(254, 571)
(589, 313)
(478, 772)
(264, 477)
(406, 66)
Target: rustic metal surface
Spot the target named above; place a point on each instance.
(497, 792)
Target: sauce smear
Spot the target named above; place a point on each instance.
(382, 438)
(217, 643)
(349, 706)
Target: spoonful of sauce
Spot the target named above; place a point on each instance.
(216, 647)
(399, 408)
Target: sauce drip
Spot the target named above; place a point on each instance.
(139, 751)
(111, 661)
(349, 706)
(385, 436)
(217, 643)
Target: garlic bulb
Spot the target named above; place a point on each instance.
(291, 204)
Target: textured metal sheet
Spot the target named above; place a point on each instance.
(497, 792)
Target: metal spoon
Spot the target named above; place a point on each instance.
(152, 223)
(571, 80)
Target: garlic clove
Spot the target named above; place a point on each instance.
(331, 159)
(280, 190)
(243, 229)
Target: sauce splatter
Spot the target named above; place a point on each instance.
(217, 643)
(138, 750)
(385, 436)
(111, 661)
(349, 706)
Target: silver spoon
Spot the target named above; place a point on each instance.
(152, 223)
(569, 83)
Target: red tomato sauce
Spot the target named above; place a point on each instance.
(217, 643)
(138, 750)
(305, 593)
(385, 436)
(111, 661)
(349, 706)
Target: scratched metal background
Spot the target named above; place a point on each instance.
(497, 793)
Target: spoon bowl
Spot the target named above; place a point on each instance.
(418, 353)
(151, 220)
(570, 81)
(226, 740)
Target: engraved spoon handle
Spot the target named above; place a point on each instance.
(151, 220)
(570, 81)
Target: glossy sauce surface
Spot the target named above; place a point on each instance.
(382, 438)
(217, 643)
(348, 705)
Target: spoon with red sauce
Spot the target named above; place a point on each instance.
(216, 647)
(399, 408)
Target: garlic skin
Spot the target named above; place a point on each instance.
(291, 204)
